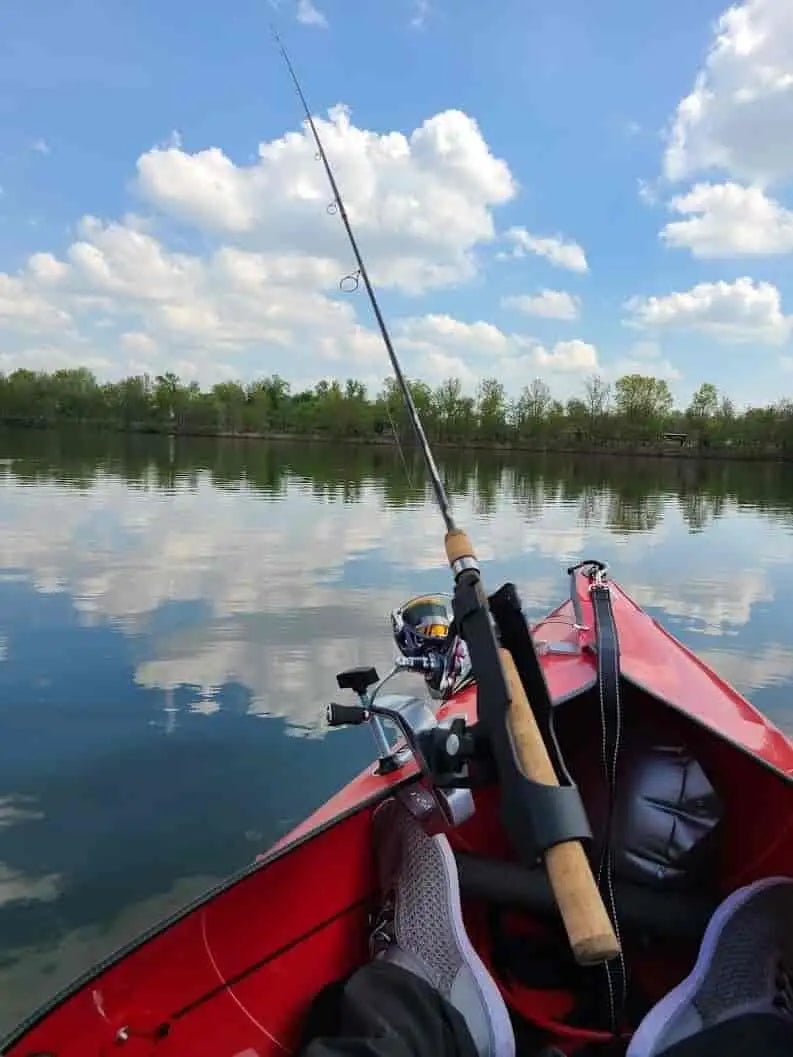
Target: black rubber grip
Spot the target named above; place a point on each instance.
(346, 715)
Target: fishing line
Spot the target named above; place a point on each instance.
(353, 280)
(395, 431)
(348, 285)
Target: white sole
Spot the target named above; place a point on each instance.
(646, 1039)
(502, 1035)
(501, 1038)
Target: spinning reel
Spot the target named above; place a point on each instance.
(427, 640)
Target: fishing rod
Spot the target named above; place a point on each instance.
(544, 818)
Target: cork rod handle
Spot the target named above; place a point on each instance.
(589, 929)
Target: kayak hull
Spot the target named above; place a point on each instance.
(233, 975)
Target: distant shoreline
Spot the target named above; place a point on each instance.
(622, 449)
(635, 418)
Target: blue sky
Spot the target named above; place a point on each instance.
(541, 190)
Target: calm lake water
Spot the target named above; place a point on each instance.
(173, 613)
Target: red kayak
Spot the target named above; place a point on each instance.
(687, 783)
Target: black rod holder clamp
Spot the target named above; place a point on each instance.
(535, 816)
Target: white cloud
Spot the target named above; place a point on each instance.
(645, 350)
(115, 260)
(741, 311)
(138, 344)
(520, 359)
(15, 809)
(437, 365)
(738, 116)
(119, 297)
(644, 357)
(567, 356)
(421, 9)
(23, 307)
(420, 203)
(751, 670)
(53, 357)
(554, 248)
(728, 220)
(17, 886)
(471, 351)
(263, 295)
(445, 347)
(310, 15)
(647, 191)
(46, 268)
(41, 146)
(708, 607)
(480, 337)
(548, 304)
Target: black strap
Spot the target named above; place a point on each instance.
(608, 657)
(608, 687)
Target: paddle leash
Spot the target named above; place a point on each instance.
(540, 814)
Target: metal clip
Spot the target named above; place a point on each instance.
(598, 579)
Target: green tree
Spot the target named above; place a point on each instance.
(76, 394)
(130, 402)
(702, 411)
(704, 403)
(597, 396)
(167, 397)
(491, 406)
(230, 401)
(577, 416)
(643, 403)
(449, 408)
(355, 411)
(531, 409)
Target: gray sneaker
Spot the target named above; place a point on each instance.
(744, 966)
(421, 926)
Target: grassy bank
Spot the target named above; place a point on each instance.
(546, 445)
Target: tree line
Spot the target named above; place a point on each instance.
(637, 411)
